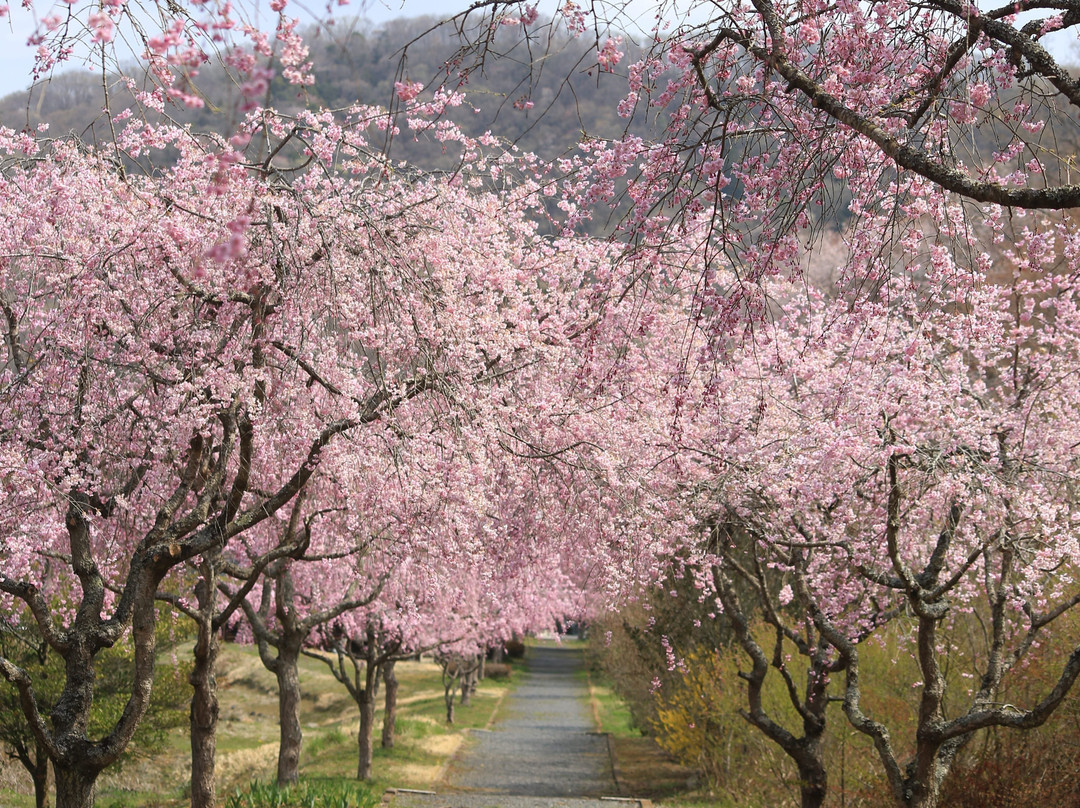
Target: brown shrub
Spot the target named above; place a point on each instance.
(515, 649)
(1017, 769)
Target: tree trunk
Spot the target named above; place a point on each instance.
(451, 678)
(809, 757)
(366, 738)
(204, 717)
(466, 688)
(74, 787)
(922, 794)
(40, 775)
(390, 705)
(70, 718)
(288, 681)
(813, 780)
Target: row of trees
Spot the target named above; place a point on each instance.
(297, 400)
(281, 375)
(893, 474)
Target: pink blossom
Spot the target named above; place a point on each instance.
(102, 26)
(408, 90)
(809, 33)
(979, 93)
(609, 55)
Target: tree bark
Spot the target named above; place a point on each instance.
(40, 775)
(813, 777)
(288, 681)
(204, 705)
(74, 780)
(74, 786)
(366, 736)
(389, 726)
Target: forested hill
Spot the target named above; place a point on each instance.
(358, 62)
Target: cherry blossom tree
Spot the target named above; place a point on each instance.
(425, 604)
(210, 616)
(183, 348)
(740, 582)
(370, 655)
(783, 123)
(912, 463)
(137, 395)
(154, 51)
(282, 623)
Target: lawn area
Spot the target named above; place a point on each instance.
(248, 731)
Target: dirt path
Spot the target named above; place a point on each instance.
(541, 752)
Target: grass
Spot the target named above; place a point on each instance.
(644, 769)
(248, 736)
(610, 713)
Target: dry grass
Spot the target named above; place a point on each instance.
(248, 735)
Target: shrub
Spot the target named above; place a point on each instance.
(698, 723)
(1015, 770)
(515, 648)
(305, 794)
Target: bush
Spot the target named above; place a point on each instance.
(515, 649)
(1010, 768)
(305, 794)
(1017, 769)
(698, 723)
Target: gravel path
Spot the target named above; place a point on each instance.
(542, 751)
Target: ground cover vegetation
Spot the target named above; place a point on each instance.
(798, 343)
(158, 774)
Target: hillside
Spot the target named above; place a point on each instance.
(356, 62)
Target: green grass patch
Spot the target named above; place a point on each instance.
(610, 711)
